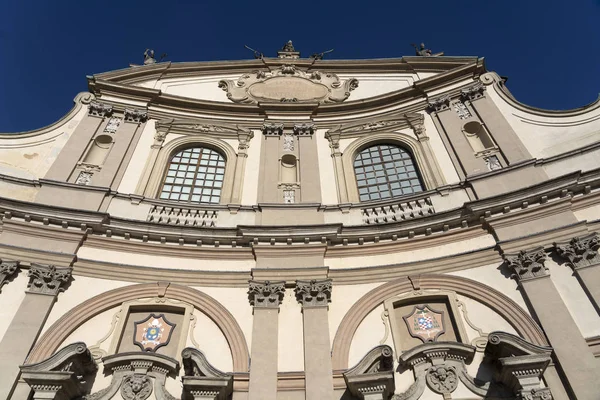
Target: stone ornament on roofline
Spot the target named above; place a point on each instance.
(48, 279)
(527, 264)
(580, 251)
(313, 293)
(265, 294)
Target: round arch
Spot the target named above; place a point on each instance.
(502, 304)
(61, 329)
(422, 156)
(173, 146)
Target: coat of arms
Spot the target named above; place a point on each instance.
(425, 323)
(153, 332)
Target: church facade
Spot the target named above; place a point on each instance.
(289, 228)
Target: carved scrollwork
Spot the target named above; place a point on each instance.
(136, 387)
(288, 83)
(580, 251)
(442, 379)
(527, 264)
(7, 269)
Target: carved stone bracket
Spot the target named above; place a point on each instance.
(527, 264)
(244, 137)
(97, 109)
(313, 293)
(134, 115)
(48, 279)
(202, 380)
(519, 365)
(473, 92)
(62, 376)
(581, 251)
(304, 129)
(288, 84)
(373, 376)
(272, 129)
(135, 375)
(440, 104)
(7, 269)
(265, 294)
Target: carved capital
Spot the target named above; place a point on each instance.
(265, 294)
(334, 136)
(7, 269)
(99, 109)
(48, 279)
(527, 264)
(313, 293)
(137, 116)
(304, 129)
(272, 129)
(580, 251)
(473, 92)
(244, 137)
(440, 104)
(159, 139)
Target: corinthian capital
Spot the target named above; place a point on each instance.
(99, 109)
(473, 93)
(580, 251)
(7, 269)
(265, 294)
(527, 264)
(440, 104)
(48, 279)
(313, 293)
(134, 115)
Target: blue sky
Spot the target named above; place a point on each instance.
(549, 50)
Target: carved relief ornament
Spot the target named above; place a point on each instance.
(48, 279)
(7, 269)
(134, 115)
(473, 92)
(580, 251)
(99, 109)
(527, 264)
(265, 294)
(313, 293)
(288, 84)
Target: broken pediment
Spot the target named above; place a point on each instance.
(288, 84)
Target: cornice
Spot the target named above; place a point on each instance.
(28, 256)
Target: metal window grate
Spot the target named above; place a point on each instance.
(384, 171)
(195, 176)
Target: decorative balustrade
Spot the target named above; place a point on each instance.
(182, 216)
(397, 212)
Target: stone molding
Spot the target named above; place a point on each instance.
(98, 109)
(313, 293)
(373, 376)
(580, 252)
(265, 294)
(527, 264)
(63, 375)
(202, 380)
(288, 84)
(7, 269)
(48, 279)
(135, 115)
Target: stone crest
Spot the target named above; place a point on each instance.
(288, 84)
(425, 323)
(152, 333)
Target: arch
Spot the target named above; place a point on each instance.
(502, 304)
(423, 158)
(173, 146)
(65, 325)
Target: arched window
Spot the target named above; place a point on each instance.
(195, 175)
(384, 171)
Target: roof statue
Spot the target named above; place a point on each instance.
(149, 57)
(288, 51)
(289, 46)
(423, 52)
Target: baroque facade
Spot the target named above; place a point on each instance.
(291, 228)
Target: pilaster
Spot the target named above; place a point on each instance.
(572, 352)
(581, 254)
(244, 137)
(314, 296)
(45, 282)
(265, 297)
(336, 154)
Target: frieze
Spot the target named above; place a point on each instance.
(313, 293)
(527, 264)
(265, 294)
(7, 269)
(413, 121)
(580, 251)
(48, 279)
(288, 83)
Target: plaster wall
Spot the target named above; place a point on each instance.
(138, 160)
(18, 192)
(441, 153)
(94, 330)
(158, 261)
(588, 214)
(584, 161)
(371, 85)
(11, 297)
(203, 88)
(413, 255)
(368, 335)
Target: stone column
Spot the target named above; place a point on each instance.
(582, 255)
(572, 352)
(45, 282)
(334, 144)
(265, 297)
(244, 136)
(315, 297)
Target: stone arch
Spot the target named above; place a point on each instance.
(422, 156)
(77, 316)
(503, 305)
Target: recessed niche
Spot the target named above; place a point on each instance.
(98, 150)
(478, 136)
(288, 168)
